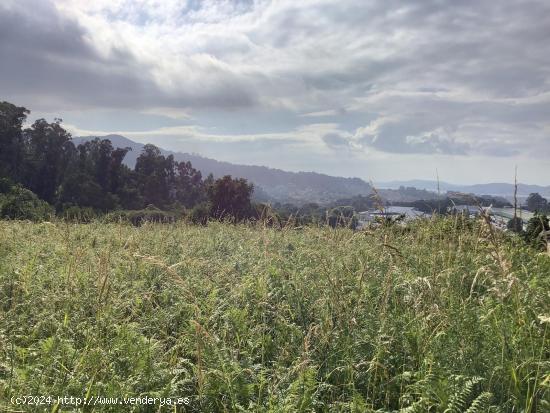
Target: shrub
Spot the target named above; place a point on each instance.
(343, 216)
(199, 213)
(20, 203)
(535, 227)
(515, 225)
(139, 217)
(151, 215)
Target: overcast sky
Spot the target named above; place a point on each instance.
(382, 90)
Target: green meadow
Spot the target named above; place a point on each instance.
(443, 315)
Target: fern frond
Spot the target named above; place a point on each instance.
(480, 403)
(460, 401)
(419, 406)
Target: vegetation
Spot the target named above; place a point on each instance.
(17, 202)
(444, 315)
(275, 185)
(359, 202)
(515, 224)
(140, 217)
(535, 230)
(91, 179)
(446, 204)
(534, 233)
(230, 197)
(289, 310)
(407, 194)
(342, 216)
(536, 203)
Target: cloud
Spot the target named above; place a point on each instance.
(54, 61)
(393, 77)
(418, 123)
(335, 140)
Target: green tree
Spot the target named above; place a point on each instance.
(155, 175)
(81, 189)
(535, 202)
(117, 170)
(11, 140)
(95, 177)
(189, 185)
(48, 152)
(230, 198)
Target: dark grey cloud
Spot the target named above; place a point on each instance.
(47, 57)
(397, 76)
(48, 61)
(452, 64)
(482, 44)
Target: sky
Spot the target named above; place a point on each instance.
(381, 90)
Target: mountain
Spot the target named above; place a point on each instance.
(494, 189)
(272, 184)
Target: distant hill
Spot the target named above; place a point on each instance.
(406, 194)
(495, 189)
(272, 184)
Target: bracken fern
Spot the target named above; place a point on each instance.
(443, 315)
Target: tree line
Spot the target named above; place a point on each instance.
(43, 172)
(40, 163)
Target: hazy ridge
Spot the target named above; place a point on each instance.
(302, 187)
(275, 184)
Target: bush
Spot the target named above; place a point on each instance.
(20, 203)
(199, 213)
(343, 216)
(535, 227)
(515, 225)
(139, 217)
(116, 217)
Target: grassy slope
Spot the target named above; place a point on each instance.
(265, 320)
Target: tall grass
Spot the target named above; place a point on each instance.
(444, 315)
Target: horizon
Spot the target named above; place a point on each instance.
(375, 182)
(375, 90)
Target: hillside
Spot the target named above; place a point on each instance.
(243, 318)
(278, 185)
(495, 189)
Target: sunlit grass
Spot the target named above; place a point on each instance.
(440, 315)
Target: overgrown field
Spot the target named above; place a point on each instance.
(440, 315)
